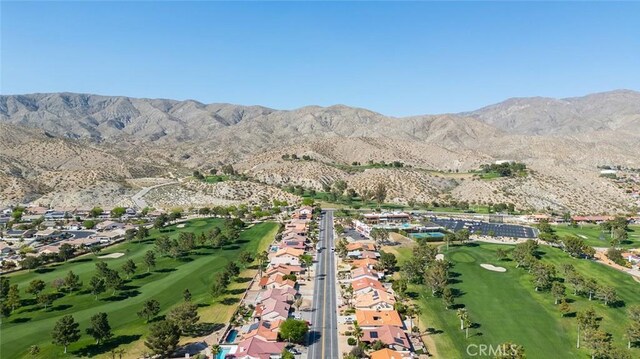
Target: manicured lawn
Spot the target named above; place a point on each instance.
(591, 234)
(506, 307)
(30, 325)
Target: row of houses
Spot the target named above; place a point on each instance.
(278, 291)
(374, 303)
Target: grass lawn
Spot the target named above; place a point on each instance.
(591, 235)
(31, 325)
(506, 307)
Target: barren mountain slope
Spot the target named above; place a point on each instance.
(548, 116)
(112, 139)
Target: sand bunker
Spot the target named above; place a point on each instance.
(181, 225)
(439, 256)
(112, 255)
(491, 267)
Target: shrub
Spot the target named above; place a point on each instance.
(352, 341)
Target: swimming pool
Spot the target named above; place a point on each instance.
(232, 336)
(222, 354)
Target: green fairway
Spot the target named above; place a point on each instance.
(591, 233)
(507, 308)
(30, 325)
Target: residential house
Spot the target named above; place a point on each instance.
(6, 249)
(284, 269)
(365, 285)
(392, 336)
(276, 281)
(375, 299)
(378, 318)
(364, 272)
(287, 256)
(387, 353)
(264, 330)
(109, 225)
(286, 294)
(46, 233)
(292, 244)
(255, 348)
(272, 309)
(305, 212)
(366, 262)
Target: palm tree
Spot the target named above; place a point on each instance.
(357, 332)
(417, 311)
(462, 315)
(410, 312)
(215, 349)
(297, 304)
(262, 258)
(467, 324)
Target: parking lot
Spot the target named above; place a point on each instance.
(484, 228)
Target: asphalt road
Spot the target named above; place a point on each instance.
(477, 227)
(323, 339)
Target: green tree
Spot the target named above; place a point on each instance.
(97, 285)
(557, 290)
(72, 281)
(65, 332)
(30, 262)
(286, 354)
(501, 254)
(163, 338)
(447, 297)
(113, 281)
(35, 287)
(185, 315)
(388, 261)
(100, 329)
(245, 257)
(95, 212)
(89, 224)
(46, 299)
(150, 309)
(118, 212)
(142, 233)
(587, 320)
(186, 294)
(66, 251)
(293, 330)
(380, 193)
(13, 297)
(150, 260)
(129, 267)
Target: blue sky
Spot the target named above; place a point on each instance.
(396, 58)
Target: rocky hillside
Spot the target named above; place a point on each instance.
(70, 146)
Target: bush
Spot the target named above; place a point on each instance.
(347, 333)
(352, 341)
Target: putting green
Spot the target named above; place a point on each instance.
(462, 257)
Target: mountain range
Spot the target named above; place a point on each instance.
(66, 148)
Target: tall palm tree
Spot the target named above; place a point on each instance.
(262, 258)
(417, 312)
(357, 332)
(467, 324)
(462, 315)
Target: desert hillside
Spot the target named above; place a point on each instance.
(75, 149)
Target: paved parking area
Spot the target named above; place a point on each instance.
(483, 228)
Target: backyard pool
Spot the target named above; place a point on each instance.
(222, 354)
(434, 235)
(232, 336)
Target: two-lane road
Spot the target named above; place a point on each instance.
(324, 330)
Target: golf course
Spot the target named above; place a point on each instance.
(165, 282)
(504, 307)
